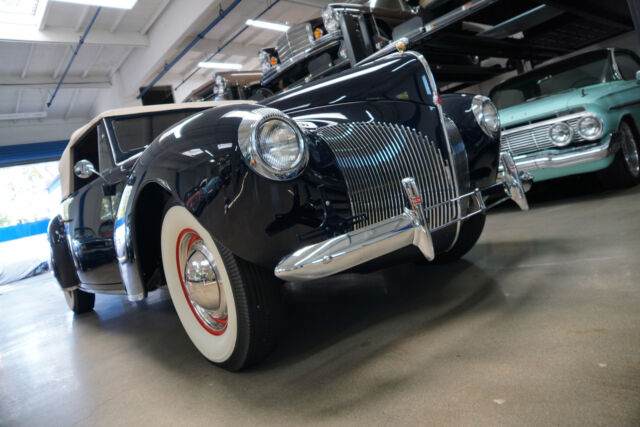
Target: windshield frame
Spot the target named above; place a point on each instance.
(120, 156)
(557, 67)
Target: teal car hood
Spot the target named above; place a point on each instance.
(562, 101)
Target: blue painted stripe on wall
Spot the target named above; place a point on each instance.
(19, 231)
(31, 153)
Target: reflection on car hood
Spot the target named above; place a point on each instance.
(550, 105)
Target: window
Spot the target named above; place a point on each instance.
(135, 133)
(106, 160)
(578, 72)
(628, 65)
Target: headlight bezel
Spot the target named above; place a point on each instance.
(478, 104)
(248, 141)
(597, 135)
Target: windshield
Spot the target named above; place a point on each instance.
(573, 73)
(134, 133)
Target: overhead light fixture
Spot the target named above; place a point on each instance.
(267, 25)
(220, 65)
(245, 74)
(24, 116)
(117, 4)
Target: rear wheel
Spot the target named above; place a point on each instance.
(625, 169)
(79, 301)
(230, 308)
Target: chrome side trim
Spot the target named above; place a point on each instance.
(570, 157)
(409, 228)
(113, 289)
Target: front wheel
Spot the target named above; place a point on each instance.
(625, 169)
(230, 308)
(470, 232)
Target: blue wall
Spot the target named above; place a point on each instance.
(31, 153)
(23, 230)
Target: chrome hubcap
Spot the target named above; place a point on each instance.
(202, 285)
(630, 150)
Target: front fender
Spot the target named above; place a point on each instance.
(199, 164)
(61, 262)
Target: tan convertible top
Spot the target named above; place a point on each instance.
(66, 161)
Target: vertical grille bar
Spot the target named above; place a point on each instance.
(374, 157)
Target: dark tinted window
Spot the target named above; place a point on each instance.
(627, 65)
(135, 133)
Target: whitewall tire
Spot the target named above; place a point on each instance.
(219, 298)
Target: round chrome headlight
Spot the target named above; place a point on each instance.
(590, 127)
(560, 134)
(486, 115)
(265, 60)
(272, 144)
(330, 20)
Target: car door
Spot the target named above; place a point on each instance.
(92, 210)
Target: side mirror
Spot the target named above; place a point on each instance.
(638, 75)
(84, 169)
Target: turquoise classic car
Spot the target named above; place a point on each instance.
(580, 114)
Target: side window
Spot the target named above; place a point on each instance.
(86, 149)
(104, 149)
(628, 65)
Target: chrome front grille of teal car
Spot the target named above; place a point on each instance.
(375, 157)
(535, 137)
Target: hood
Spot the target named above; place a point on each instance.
(563, 101)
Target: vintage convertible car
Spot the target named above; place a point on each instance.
(579, 114)
(222, 207)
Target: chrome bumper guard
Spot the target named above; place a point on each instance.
(570, 157)
(409, 228)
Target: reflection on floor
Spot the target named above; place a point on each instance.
(539, 324)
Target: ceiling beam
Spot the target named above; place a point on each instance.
(123, 58)
(312, 3)
(27, 62)
(93, 62)
(63, 61)
(72, 103)
(118, 21)
(46, 82)
(45, 15)
(83, 17)
(25, 33)
(18, 101)
(154, 17)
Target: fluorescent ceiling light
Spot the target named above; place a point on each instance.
(267, 25)
(117, 4)
(245, 74)
(24, 116)
(220, 65)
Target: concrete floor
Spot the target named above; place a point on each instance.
(538, 325)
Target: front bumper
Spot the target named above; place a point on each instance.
(348, 250)
(606, 147)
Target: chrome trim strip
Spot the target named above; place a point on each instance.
(570, 157)
(452, 162)
(409, 228)
(546, 123)
(112, 289)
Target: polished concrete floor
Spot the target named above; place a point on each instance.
(538, 325)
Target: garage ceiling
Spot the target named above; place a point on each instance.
(124, 50)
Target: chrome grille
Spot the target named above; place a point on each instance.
(535, 138)
(374, 157)
(295, 40)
